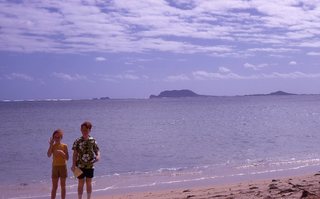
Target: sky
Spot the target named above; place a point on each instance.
(79, 49)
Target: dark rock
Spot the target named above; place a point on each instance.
(305, 194)
(254, 188)
(104, 98)
(286, 191)
(272, 186)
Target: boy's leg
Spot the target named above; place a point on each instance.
(89, 187)
(80, 188)
(54, 187)
(63, 187)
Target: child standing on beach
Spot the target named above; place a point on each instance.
(60, 154)
(85, 154)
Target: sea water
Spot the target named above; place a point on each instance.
(161, 143)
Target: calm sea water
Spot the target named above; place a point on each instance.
(161, 142)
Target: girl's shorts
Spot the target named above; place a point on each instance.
(59, 171)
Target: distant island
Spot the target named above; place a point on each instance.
(176, 94)
(101, 98)
(273, 93)
(189, 93)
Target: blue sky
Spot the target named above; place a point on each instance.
(130, 49)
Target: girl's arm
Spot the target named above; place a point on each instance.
(49, 153)
(63, 153)
(67, 153)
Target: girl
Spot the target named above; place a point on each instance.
(60, 154)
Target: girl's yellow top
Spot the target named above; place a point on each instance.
(58, 160)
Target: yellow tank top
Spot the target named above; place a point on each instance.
(57, 159)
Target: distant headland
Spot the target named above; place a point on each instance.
(189, 93)
(273, 93)
(176, 93)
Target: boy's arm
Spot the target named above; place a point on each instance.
(96, 150)
(97, 156)
(74, 159)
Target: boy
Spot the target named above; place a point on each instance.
(60, 154)
(85, 154)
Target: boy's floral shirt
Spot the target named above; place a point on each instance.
(87, 151)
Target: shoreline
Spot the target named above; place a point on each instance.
(299, 186)
(176, 185)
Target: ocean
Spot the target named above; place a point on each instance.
(162, 143)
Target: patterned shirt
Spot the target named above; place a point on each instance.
(87, 151)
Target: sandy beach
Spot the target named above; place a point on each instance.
(307, 186)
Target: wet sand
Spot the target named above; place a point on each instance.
(307, 186)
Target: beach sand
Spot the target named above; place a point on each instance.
(307, 186)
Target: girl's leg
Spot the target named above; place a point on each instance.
(89, 187)
(80, 188)
(54, 187)
(63, 187)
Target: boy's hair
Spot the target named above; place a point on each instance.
(86, 124)
(58, 131)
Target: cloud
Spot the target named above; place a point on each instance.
(204, 75)
(313, 53)
(184, 26)
(181, 77)
(100, 59)
(224, 70)
(129, 75)
(69, 77)
(19, 76)
(273, 50)
(292, 75)
(293, 63)
(255, 67)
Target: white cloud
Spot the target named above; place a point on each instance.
(224, 70)
(128, 76)
(99, 59)
(273, 50)
(292, 75)
(293, 63)
(313, 53)
(255, 67)
(69, 77)
(19, 76)
(310, 43)
(204, 75)
(106, 77)
(181, 77)
(144, 25)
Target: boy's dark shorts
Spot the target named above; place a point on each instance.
(88, 173)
